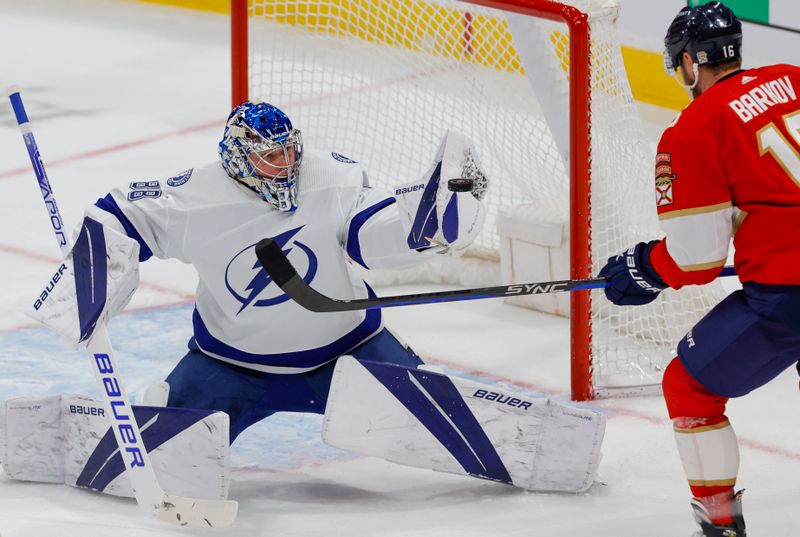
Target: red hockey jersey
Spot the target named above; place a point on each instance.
(729, 166)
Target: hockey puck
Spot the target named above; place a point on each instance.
(460, 185)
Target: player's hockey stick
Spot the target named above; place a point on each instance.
(183, 511)
(282, 272)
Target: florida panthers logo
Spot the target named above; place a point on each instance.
(250, 284)
(664, 178)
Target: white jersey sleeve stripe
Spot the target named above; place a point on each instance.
(108, 206)
(691, 248)
(375, 235)
(694, 210)
(354, 227)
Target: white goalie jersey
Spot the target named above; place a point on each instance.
(204, 218)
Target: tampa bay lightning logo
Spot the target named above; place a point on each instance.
(181, 178)
(259, 292)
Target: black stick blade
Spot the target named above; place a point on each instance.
(271, 257)
(282, 272)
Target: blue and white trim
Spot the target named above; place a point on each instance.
(435, 401)
(110, 206)
(356, 223)
(287, 362)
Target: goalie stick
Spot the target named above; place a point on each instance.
(282, 272)
(179, 510)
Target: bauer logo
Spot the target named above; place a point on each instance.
(49, 288)
(86, 410)
(121, 421)
(409, 189)
(501, 399)
(690, 339)
(181, 178)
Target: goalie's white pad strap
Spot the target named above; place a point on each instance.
(424, 419)
(67, 439)
(94, 283)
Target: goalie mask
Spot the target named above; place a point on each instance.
(261, 149)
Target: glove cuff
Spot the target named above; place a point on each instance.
(646, 268)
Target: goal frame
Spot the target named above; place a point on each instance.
(577, 23)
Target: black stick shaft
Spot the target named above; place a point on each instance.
(285, 276)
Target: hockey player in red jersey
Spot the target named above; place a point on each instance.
(727, 168)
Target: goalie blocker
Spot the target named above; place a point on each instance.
(94, 283)
(419, 418)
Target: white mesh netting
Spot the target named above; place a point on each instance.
(381, 80)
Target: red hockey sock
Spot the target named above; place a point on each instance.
(706, 442)
(718, 501)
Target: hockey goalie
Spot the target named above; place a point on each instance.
(254, 352)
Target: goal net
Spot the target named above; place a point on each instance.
(541, 89)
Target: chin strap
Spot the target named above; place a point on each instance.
(282, 203)
(249, 181)
(689, 88)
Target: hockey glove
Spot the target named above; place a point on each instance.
(94, 283)
(435, 215)
(632, 280)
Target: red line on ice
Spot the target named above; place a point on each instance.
(616, 410)
(15, 250)
(113, 148)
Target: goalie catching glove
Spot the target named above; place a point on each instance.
(94, 283)
(435, 215)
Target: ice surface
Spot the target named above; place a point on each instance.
(121, 91)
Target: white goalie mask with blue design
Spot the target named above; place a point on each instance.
(262, 150)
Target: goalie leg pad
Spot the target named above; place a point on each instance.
(67, 439)
(424, 419)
